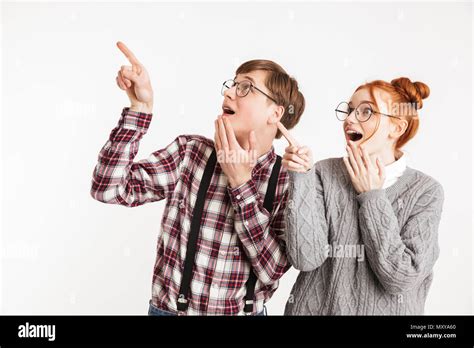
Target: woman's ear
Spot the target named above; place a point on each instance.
(398, 127)
(276, 115)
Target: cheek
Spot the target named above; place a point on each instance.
(376, 139)
(369, 126)
(245, 109)
(253, 115)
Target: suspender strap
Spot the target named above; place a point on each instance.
(194, 233)
(268, 204)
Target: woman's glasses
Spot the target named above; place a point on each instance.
(243, 88)
(362, 113)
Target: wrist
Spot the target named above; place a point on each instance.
(236, 182)
(146, 108)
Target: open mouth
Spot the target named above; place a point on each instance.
(228, 111)
(354, 135)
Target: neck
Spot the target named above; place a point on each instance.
(263, 144)
(386, 157)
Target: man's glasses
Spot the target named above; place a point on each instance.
(362, 113)
(243, 88)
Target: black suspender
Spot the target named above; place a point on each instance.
(193, 234)
(268, 205)
(196, 226)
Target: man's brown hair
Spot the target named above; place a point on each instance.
(283, 88)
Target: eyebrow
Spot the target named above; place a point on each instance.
(246, 77)
(363, 101)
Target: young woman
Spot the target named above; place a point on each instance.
(363, 228)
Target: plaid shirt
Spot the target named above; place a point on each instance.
(237, 232)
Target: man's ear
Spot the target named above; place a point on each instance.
(276, 115)
(397, 128)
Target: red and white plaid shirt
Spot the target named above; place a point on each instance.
(237, 232)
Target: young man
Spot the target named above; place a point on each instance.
(220, 250)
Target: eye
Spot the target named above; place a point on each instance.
(366, 111)
(244, 87)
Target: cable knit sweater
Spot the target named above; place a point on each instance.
(361, 254)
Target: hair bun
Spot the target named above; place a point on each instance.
(415, 92)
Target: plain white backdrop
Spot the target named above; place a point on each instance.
(64, 253)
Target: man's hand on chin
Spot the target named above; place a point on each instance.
(236, 163)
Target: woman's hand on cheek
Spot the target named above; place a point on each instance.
(236, 163)
(365, 173)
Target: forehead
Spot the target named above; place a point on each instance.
(257, 77)
(360, 96)
(363, 95)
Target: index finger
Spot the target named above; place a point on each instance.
(230, 133)
(217, 138)
(125, 50)
(222, 134)
(292, 141)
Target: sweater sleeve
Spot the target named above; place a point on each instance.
(401, 256)
(306, 225)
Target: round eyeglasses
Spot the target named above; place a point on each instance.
(362, 113)
(243, 88)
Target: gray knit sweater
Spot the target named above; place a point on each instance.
(361, 254)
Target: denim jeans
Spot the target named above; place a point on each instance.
(152, 310)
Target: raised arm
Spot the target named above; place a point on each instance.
(116, 178)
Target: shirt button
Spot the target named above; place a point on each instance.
(238, 196)
(246, 223)
(291, 204)
(222, 252)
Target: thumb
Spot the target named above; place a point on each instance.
(131, 75)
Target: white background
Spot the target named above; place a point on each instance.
(64, 253)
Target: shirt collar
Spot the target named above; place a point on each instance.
(396, 169)
(264, 160)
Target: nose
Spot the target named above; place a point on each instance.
(230, 93)
(351, 118)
